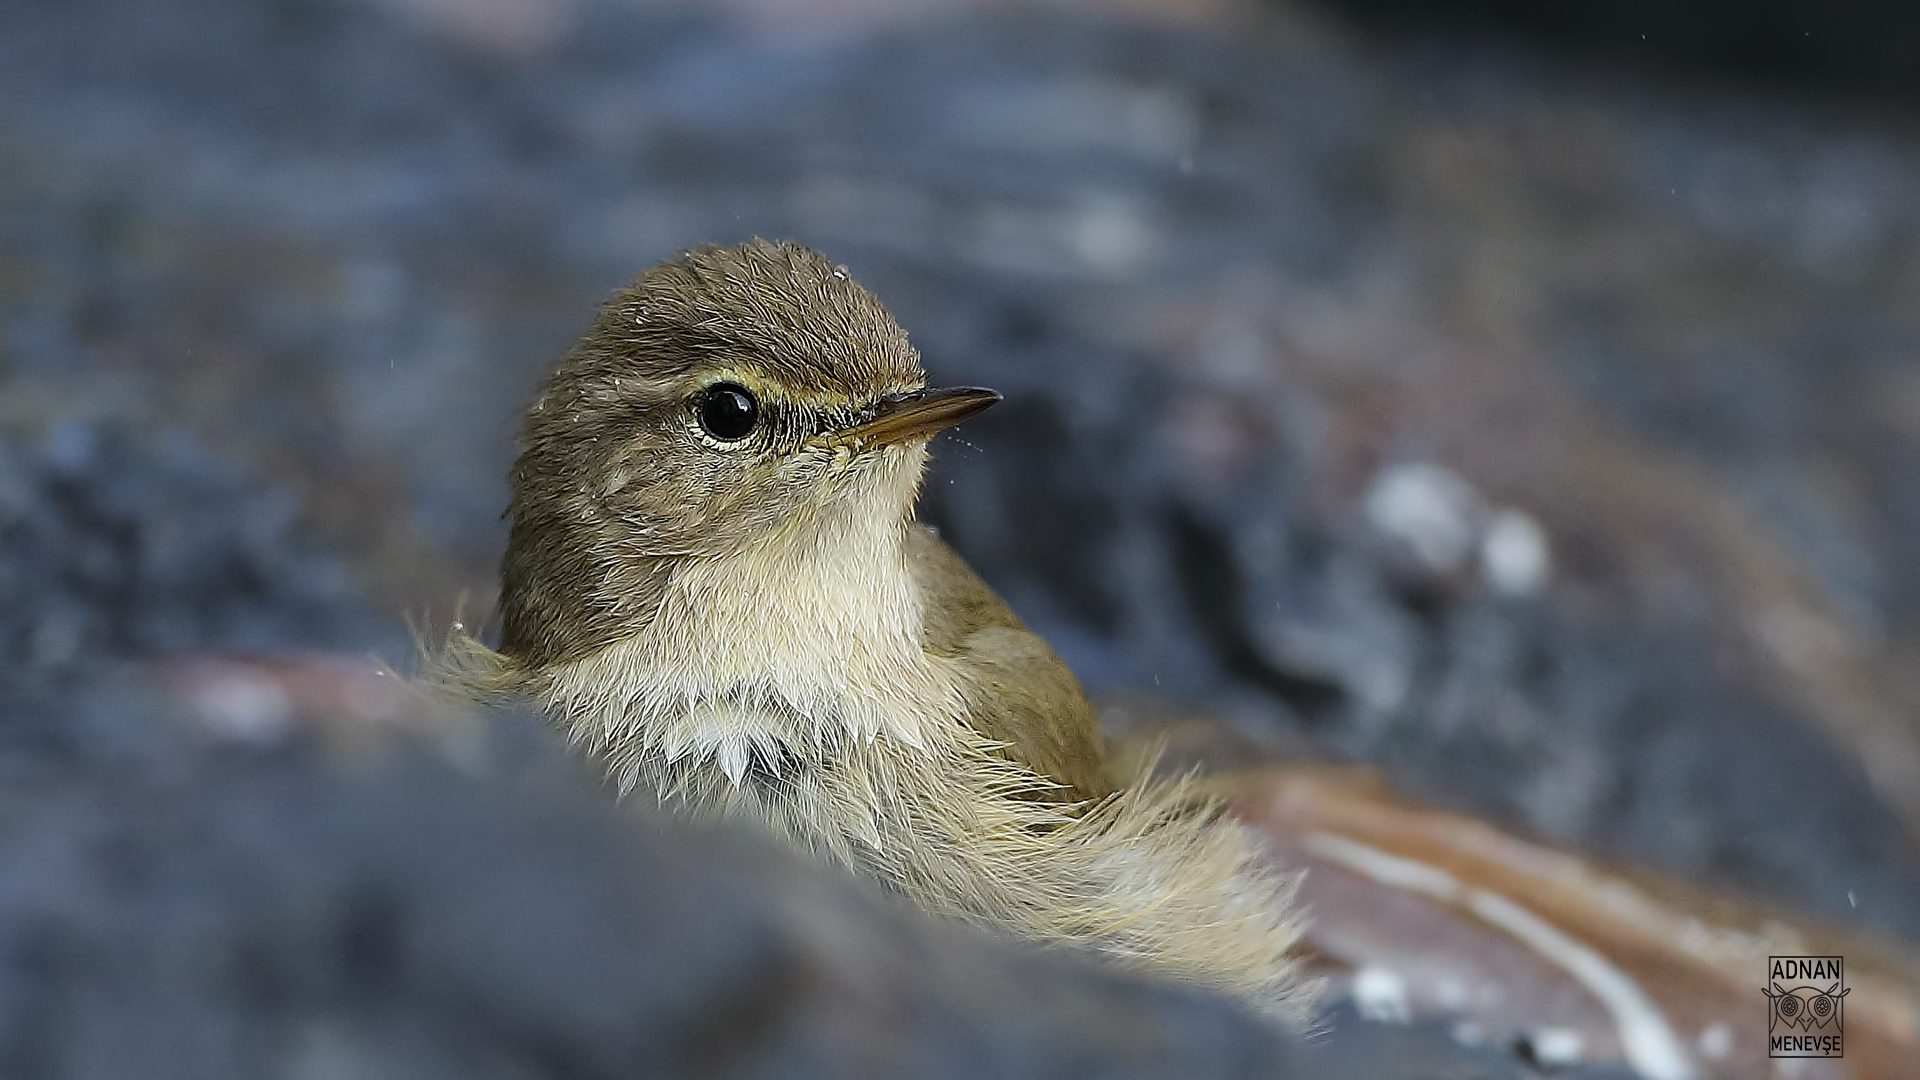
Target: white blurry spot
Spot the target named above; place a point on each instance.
(1800, 639)
(1381, 995)
(244, 707)
(1558, 1048)
(1514, 555)
(1451, 993)
(1851, 901)
(1716, 1042)
(1468, 1033)
(1428, 510)
(1111, 235)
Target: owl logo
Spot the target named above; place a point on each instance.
(1806, 996)
(1804, 1007)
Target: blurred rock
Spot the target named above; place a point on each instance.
(1432, 918)
(381, 888)
(114, 545)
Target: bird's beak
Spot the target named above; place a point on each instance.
(917, 414)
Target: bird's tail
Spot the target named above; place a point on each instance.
(1156, 876)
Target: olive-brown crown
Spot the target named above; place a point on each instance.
(633, 457)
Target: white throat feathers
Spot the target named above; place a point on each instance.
(772, 655)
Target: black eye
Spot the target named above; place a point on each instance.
(728, 411)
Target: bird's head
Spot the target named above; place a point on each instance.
(729, 398)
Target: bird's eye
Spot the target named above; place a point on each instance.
(728, 411)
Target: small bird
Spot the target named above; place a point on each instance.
(714, 584)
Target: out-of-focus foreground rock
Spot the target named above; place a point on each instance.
(227, 870)
(1423, 914)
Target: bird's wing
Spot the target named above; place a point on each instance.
(1017, 691)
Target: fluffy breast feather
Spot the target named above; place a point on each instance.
(794, 643)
